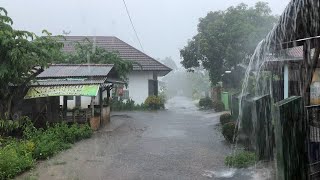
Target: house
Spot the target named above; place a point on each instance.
(142, 81)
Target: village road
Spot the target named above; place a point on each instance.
(178, 143)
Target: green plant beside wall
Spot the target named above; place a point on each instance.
(126, 105)
(229, 131)
(218, 106)
(205, 103)
(7, 127)
(155, 102)
(225, 118)
(242, 159)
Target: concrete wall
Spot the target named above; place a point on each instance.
(137, 86)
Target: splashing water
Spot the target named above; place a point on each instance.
(220, 174)
(298, 25)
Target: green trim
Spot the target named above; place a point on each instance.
(74, 90)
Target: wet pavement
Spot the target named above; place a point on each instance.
(178, 143)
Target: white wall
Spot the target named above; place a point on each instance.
(85, 101)
(138, 85)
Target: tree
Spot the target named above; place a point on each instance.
(227, 38)
(22, 56)
(189, 84)
(168, 61)
(87, 52)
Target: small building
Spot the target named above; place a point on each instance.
(63, 84)
(142, 81)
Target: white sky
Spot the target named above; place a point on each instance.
(164, 26)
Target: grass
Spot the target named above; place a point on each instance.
(242, 159)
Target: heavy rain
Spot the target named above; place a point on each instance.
(127, 89)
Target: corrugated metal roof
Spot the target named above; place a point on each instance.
(69, 81)
(76, 70)
(124, 50)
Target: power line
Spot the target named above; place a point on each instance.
(134, 29)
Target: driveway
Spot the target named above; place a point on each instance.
(178, 143)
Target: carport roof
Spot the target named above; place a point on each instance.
(76, 70)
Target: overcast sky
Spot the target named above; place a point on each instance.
(164, 26)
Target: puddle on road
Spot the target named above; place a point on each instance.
(167, 133)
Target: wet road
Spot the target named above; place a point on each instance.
(178, 143)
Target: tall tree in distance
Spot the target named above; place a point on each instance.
(227, 38)
(168, 61)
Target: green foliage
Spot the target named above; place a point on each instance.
(229, 131)
(20, 53)
(8, 126)
(218, 106)
(15, 158)
(87, 52)
(154, 102)
(206, 103)
(55, 138)
(241, 160)
(13, 127)
(227, 38)
(128, 105)
(225, 118)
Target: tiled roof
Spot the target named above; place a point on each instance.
(293, 55)
(297, 52)
(76, 70)
(124, 50)
(290, 54)
(69, 81)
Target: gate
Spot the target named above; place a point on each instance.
(313, 141)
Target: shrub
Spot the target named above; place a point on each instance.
(206, 103)
(55, 138)
(241, 160)
(18, 156)
(7, 127)
(47, 147)
(154, 102)
(15, 158)
(218, 106)
(225, 118)
(128, 105)
(228, 131)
